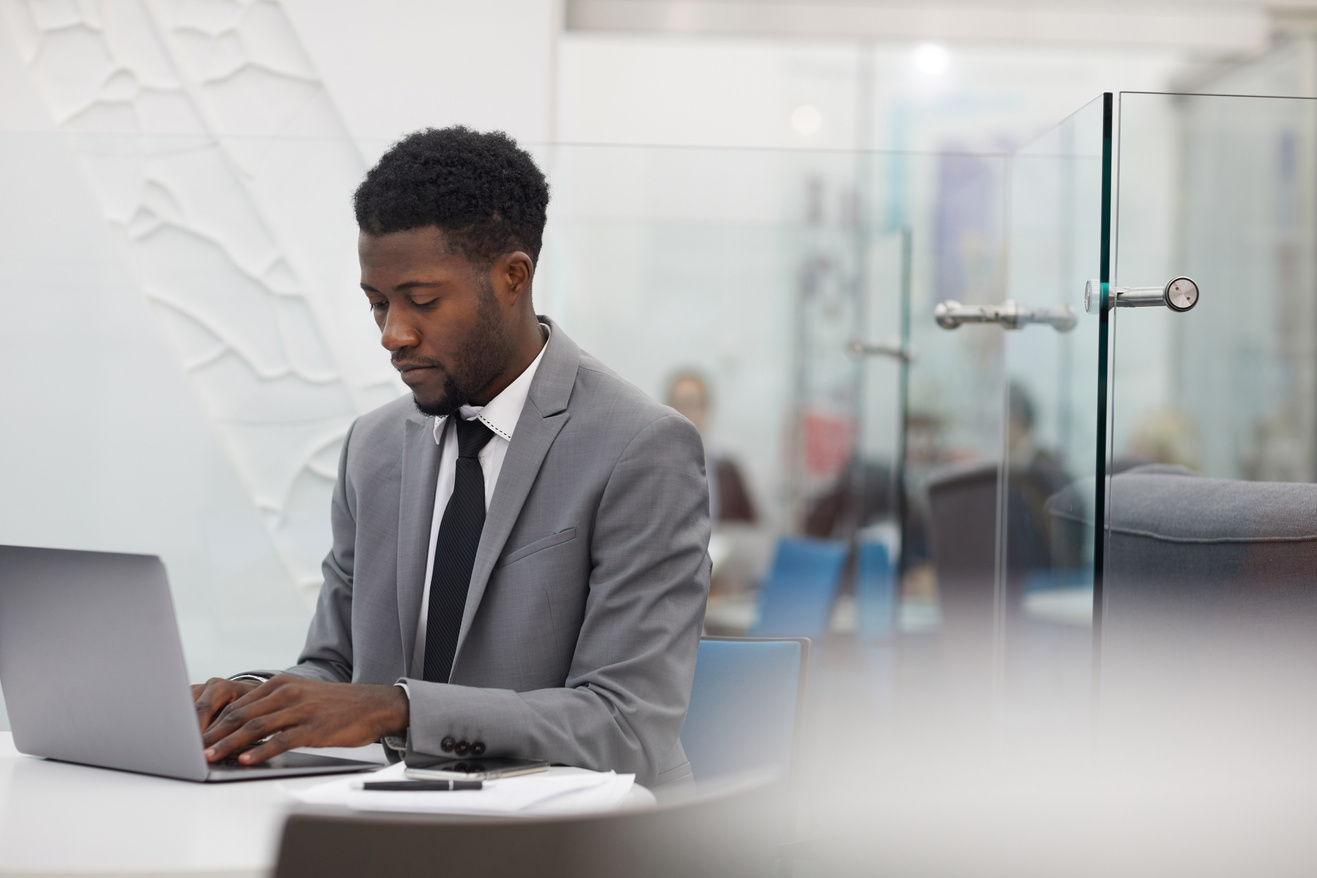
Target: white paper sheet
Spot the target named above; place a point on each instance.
(556, 791)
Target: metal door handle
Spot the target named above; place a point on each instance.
(893, 349)
(951, 314)
(1179, 294)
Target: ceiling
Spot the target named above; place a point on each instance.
(1209, 28)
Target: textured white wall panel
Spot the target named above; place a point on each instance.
(175, 110)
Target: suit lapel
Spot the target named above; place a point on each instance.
(541, 419)
(420, 471)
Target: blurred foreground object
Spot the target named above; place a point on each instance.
(723, 833)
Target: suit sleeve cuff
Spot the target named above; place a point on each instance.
(392, 742)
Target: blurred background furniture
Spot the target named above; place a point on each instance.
(876, 594)
(796, 597)
(1209, 609)
(962, 504)
(1193, 551)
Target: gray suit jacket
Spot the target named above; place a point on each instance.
(578, 640)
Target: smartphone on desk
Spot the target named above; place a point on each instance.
(420, 766)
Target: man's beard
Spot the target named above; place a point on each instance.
(453, 399)
(479, 360)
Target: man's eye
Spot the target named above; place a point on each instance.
(378, 306)
(429, 303)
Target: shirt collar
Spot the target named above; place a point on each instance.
(502, 412)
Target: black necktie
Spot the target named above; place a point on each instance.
(455, 551)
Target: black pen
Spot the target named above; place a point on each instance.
(422, 786)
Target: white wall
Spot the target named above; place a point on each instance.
(394, 66)
(187, 340)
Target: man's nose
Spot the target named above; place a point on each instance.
(398, 333)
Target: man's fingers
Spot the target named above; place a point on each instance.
(212, 696)
(222, 743)
(294, 712)
(275, 733)
(215, 695)
(266, 698)
(272, 746)
(246, 720)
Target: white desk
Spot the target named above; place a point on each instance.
(61, 819)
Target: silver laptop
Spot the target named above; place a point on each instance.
(93, 671)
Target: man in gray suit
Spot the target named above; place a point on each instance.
(519, 563)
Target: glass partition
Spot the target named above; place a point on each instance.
(1013, 560)
(1053, 437)
(953, 415)
(1213, 512)
(802, 286)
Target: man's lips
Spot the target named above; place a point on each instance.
(413, 372)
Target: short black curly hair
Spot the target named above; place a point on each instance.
(483, 190)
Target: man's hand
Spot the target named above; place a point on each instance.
(295, 712)
(215, 694)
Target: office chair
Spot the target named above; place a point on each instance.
(962, 504)
(796, 597)
(1207, 557)
(1210, 604)
(876, 601)
(746, 706)
(727, 832)
(1199, 547)
(875, 593)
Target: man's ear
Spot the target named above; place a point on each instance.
(514, 272)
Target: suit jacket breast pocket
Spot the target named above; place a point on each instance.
(562, 536)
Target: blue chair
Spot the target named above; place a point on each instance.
(746, 705)
(796, 597)
(875, 594)
(875, 624)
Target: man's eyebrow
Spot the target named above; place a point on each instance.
(408, 285)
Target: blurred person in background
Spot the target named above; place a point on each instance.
(1164, 435)
(1040, 465)
(739, 547)
(729, 499)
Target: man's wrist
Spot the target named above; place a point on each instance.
(399, 714)
(397, 743)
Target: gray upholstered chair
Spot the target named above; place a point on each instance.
(1209, 631)
(1206, 580)
(1193, 545)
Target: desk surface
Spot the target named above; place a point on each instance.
(57, 818)
(61, 819)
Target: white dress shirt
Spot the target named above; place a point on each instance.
(500, 416)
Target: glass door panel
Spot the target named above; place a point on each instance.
(1052, 438)
(953, 413)
(1211, 547)
(753, 273)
